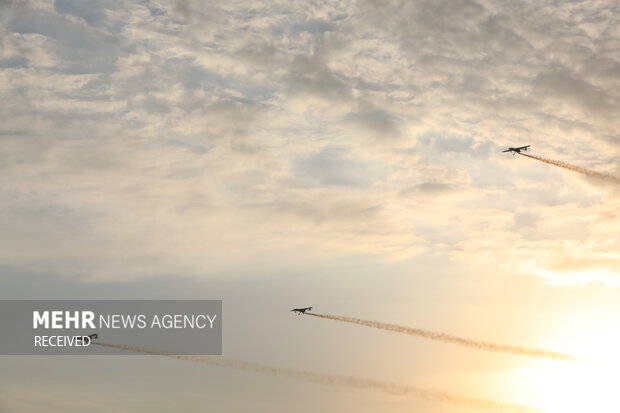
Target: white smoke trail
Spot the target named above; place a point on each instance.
(335, 380)
(477, 344)
(601, 175)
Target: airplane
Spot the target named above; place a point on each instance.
(517, 150)
(91, 337)
(301, 310)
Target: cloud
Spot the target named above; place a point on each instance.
(431, 188)
(565, 87)
(77, 46)
(329, 167)
(139, 138)
(91, 11)
(378, 123)
(456, 144)
(309, 76)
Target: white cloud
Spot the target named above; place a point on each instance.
(187, 136)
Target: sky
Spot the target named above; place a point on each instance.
(344, 155)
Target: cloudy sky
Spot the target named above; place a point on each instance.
(345, 155)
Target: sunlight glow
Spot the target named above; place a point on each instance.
(603, 276)
(556, 387)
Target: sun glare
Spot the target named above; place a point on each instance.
(602, 276)
(568, 388)
(561, 387)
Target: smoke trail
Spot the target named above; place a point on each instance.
(585, 171)
(480, 345)
(335, 380)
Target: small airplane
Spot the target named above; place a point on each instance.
(517, 150)
(301, 310)
(93, 337)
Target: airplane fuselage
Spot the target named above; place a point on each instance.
(518, 149)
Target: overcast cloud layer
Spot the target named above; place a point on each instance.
(217, 138)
